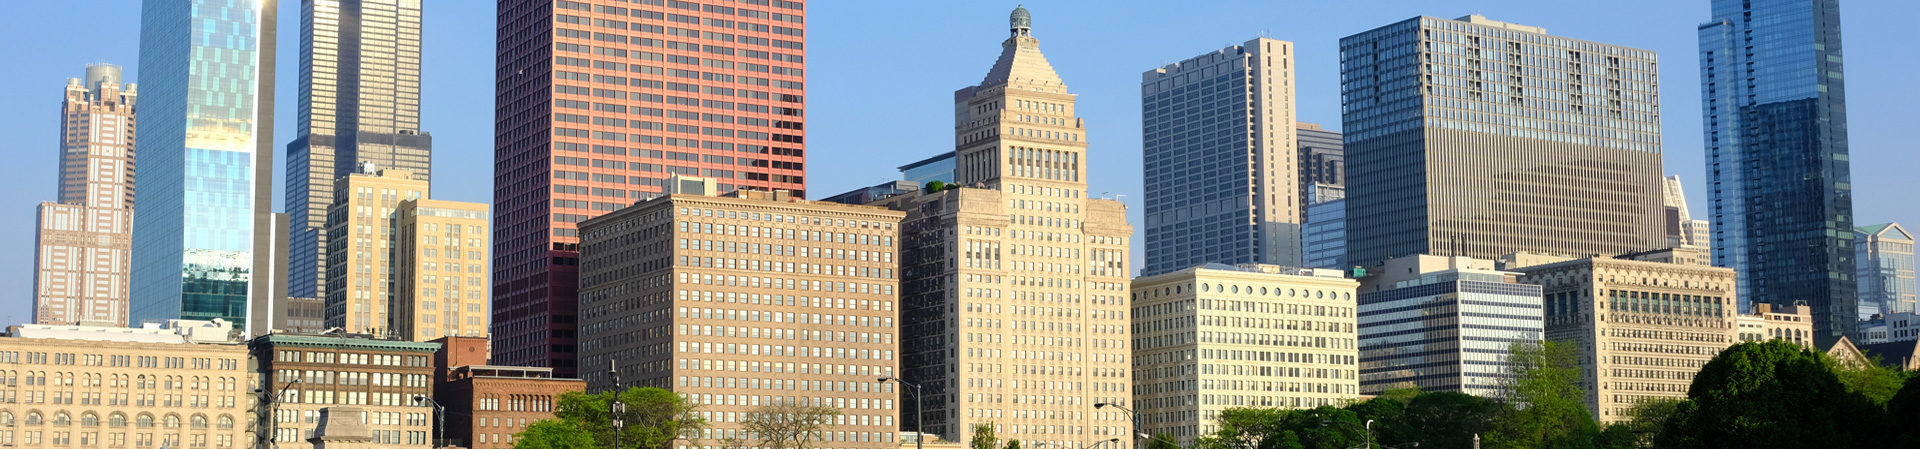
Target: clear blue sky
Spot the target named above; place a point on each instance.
(881, 77)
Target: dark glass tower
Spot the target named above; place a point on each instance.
(1774, 107)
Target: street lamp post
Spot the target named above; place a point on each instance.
(1366, 434)
(439, 419)
(616, 410)
(1133, 424)
(273, 412)
(920, 440)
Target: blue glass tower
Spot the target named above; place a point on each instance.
(201, 207)
(1773, 105)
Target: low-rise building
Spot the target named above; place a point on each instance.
(1442, 324)
(386, 379)
(486, 405)
(1214, 337)
(182, 385)
(1793, 323)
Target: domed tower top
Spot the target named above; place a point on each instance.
(1020, 22)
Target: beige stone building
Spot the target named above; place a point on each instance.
(1014, 283)
(83, 254)
(1642, 328)
(381, 381)
(1793, 323)
(440, 276)
(747, 300)
(1215, 337)
(69, 386)
(361, 243)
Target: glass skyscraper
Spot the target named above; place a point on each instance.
(205, 146)
(1773, 105)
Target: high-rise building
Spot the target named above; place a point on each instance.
(1323, 165)
(365, 248)
(1683, 231)
(1256, 335)
(84, 240)
(1885, 269)
(1442, 324)
(744, 301)
(359, 104)
(185, 384)
(1222, 180)
(1479, 138)
(600, 101)
(206, 152)
(440, 269)
(1014, 283)
(1641, 329)
(1774, 111)
(312, 374)
(1325, 237)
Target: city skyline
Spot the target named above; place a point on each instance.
(1104, 63)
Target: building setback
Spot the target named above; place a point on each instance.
(1479, 138)
(1885, 270)
(748, 300)
(1220, 160)
(183, 385)
(84, 240)
(1214, 337)
(310, 374)
(600, 101)
(1442, 324)
(1014, 287)
(202, 223)
(359, 104)
(1774, 121)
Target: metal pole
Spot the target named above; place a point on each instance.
(614, 410)
(1369, 434)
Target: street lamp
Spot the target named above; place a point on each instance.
(920, 440)
(273, 412)
(1133, 425)
(1097, 444)
(440, 418)
(616, 410)
(1367, 434)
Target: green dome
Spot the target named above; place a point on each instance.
(1020, 19)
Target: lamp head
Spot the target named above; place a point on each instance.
(1101, 404)
(884, 379)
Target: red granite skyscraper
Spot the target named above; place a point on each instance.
(597, 103)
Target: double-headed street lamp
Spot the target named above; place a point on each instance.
(439, 417)
(1133, 426)
(273, 411)
(920, 440)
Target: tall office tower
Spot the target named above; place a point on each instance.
(1015, 282)
(1479, 138)
(1261, 335)
(1885, 270)
(1774, 109)
(1219, 159)
(359, 103)
(746, 301)
(206, 161)
(440, 269)
(1325, 236)
(1683, 231)
(1642, 329)
(1323, 165)
(365, 245)
(84, 240)
(1442, 324)
(599, 102)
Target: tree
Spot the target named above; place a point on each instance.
(1243, 428)
(1445, 420)
(1162, 441)
(788, 425)
(1870, 378)
(983, 437)
(1904, 408)
(653, 417)
(554, 434)
(1545, 405)
(1773, 394)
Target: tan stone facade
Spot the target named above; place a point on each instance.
(111, 387)
(382, 378)
(1642, 329)
(361, 239)
(1793, 323)
(84, 250)
(747, 300)
(1216, 337)
(441, 275)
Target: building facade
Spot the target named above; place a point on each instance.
(206, 171)
(359, 104)
(440, 275)
(1774, 117)
(85, 238)
(1214, 337)
(1325, 236)
(749, 300)
(1885, 270)
(600, 102)
(183, 385)
(1793, 323)
(1642, 329)
(937, 168)
(1442, 324)
(310, 374)
(486, 405)
(1323, 165)
(1479, 138)
(1213, 195)
(1015, 287)
(361, 230)
(1683, 231)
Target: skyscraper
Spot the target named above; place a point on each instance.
(1323, 165)
(1480, 138)
(359, 103)
(206, 151)
(1014, 283)
(365, 251)
(599, 102)
(1774, 109)
(1683, 231)
(1219, 159)
(85, 239)
(1885, 270)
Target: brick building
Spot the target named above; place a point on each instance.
(487, 404)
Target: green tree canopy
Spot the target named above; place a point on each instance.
(1773, 394)
(1545, 404)
(554, 434)
(653, 419)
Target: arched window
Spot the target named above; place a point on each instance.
(61, 419)
(117, 419)
(89, 419)
(199, 421)
(226, 421)
(6, 419)
(145, 420)
(172, 421)
(33, 418)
